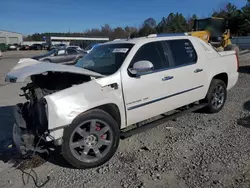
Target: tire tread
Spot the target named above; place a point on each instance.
(209, 108)
(83, 117)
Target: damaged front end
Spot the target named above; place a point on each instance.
(25, 137)
(31, 118)
(31, 128)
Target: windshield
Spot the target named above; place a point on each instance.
(89, 47)
(215, 26)
(219, 25)
(105, 59)
(201, 25)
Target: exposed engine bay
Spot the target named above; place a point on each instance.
(31, 116)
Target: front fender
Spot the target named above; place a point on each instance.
(67, 104)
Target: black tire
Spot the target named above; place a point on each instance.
(233, 47)
(90, 115)
(210, 108)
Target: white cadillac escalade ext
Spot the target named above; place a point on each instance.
(86, 108)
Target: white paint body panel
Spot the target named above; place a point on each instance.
(153, 88)
(65, 105)
(146, 88)
(23, 62)
(186, 87)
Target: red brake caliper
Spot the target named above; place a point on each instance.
(98, 129)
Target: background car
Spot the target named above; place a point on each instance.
(58, 46)
(63, 56)
(90, 47)
(75, 47)
(45, 46)
(12, 46)
(36, 47)
(24, 47)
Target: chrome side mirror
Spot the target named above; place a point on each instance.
(141, 67)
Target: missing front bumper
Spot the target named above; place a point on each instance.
(23, 140)
(17, 138)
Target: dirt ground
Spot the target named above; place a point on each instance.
(196, 150)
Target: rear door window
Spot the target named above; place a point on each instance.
(180, 52)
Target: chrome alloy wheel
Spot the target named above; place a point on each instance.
(218, 96)
(91, 140)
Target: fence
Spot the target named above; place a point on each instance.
(41, 42)
(242, 42)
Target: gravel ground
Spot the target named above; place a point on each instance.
(196, 150)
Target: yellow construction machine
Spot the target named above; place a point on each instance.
(214, 30)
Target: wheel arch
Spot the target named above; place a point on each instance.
(222, 76)
(111, 109)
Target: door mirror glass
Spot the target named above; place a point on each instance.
(141, 67)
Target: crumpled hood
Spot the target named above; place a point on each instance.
(23, 62)
(21, 74)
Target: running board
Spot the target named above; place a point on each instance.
(129, 133)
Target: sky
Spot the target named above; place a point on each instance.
(37, 16)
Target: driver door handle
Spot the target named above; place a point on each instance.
(167, 78)
(198, 70)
